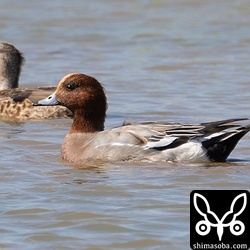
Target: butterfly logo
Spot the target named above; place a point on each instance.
(203, 227)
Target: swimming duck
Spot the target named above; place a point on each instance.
(87, 141)
(16, 103)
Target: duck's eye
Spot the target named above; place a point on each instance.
(70, 86)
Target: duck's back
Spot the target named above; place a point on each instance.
(156, 142)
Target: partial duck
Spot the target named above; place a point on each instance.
(88, 142)
(16, 103)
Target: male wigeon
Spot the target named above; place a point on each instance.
(16, 103)
(87, 141)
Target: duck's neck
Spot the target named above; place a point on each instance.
(4, 84)
(9, 76)
(86, 123)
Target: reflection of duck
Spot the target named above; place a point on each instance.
(148, 141)
(16, 103)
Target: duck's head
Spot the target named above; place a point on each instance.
(11, 61)
(85, 97)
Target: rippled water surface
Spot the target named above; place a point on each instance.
(184, 61)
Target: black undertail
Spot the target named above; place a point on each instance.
(219, 148)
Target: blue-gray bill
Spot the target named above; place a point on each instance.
(48, 101)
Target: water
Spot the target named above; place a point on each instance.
(183, 61)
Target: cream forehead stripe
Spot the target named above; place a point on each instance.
(67, 76)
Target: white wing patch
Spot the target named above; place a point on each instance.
(161, 143)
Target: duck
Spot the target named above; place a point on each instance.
(15, 102)
(150, 141)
